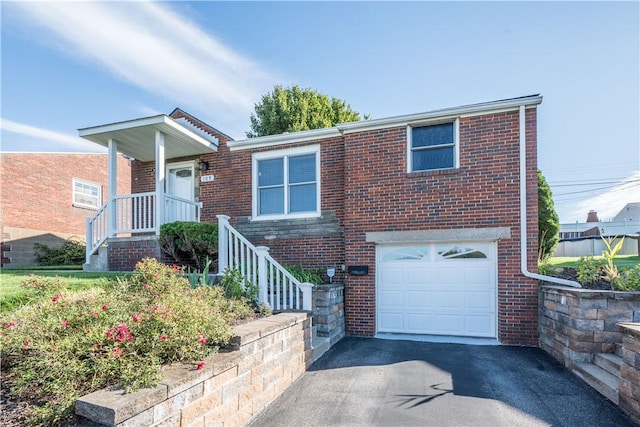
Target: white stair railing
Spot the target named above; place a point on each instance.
(96, 231)
(135, 213)
(276, 286)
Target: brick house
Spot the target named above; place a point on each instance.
(47, 197)
(421, 216)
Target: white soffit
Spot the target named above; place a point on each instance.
(136, 138)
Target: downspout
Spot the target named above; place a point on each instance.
(523, 212)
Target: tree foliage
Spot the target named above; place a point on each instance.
(548, 221)
(293, 109)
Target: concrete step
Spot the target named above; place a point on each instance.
(601, 380)
(320, 346)
(609, 362)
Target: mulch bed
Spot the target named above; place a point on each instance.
(571, 274)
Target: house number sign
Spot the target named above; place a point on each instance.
(206, 178)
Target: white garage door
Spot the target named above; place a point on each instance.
(437, 288)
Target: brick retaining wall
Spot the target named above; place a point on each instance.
(269, 354)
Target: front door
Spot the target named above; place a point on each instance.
(180, 192)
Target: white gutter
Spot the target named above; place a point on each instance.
(523, 211)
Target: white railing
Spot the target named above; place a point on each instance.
(179, 209)
(276, 286)
(135, 213)
(97, 231)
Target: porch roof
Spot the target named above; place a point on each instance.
(136, 138)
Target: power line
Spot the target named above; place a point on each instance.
(590, 191)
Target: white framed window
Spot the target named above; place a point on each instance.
(432, 146)
(286, 183)
(86, 194)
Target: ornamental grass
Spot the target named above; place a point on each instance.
(64, 345)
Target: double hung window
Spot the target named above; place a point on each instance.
(433, 147)
(86, 194)
(286, 183)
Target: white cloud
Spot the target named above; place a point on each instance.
(606, 204)
(46, 140)
(158, 50)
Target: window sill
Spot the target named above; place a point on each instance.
(434, 172)
(285, 217)
(89, 208)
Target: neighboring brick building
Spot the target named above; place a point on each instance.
(47, 197)
(419, 214)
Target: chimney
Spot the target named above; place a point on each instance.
(592, 216)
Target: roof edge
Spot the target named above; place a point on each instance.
(363, 125)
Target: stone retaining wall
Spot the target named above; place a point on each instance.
(328, 311)
(629, 397)
(267, 356)
(576, 323)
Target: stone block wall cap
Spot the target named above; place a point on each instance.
(591, 293)
(630, 328)
(326, 286)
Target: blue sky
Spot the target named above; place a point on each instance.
(71, 65)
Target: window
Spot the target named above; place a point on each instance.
(86, 194)
(433, 146)
(286, 183)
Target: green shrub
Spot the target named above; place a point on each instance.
(589, 269)
(304, 274)
(72, 252)
(629, 279)
(236, 286)
(68, 344)
(546, 268)
(190, 243)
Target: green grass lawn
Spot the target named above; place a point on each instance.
(628, 261)
(13, 294)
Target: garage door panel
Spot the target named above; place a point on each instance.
(391, 275)
(391, 299)
(448, 300)
(479, 301)
(392, 322)
(448, 293)
(447, 275)
(479, 325)
(447, 324)
(419, 299)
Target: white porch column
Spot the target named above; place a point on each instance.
(160, 181)
(112, 188)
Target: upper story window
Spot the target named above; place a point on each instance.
(86, 194)
(433, 147)
(286, 183)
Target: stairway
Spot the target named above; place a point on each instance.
(603, 374)
(320, 345)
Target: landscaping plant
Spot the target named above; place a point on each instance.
(67, 344)
(190, 243)
(610, 270)
(589, 269)
(72, 252)
(304, 274)
(629, 279)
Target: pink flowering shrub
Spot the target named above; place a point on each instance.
(67, 344)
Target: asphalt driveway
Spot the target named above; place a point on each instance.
(373, 382)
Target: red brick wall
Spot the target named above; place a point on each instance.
(36, 191)
(483, 192)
